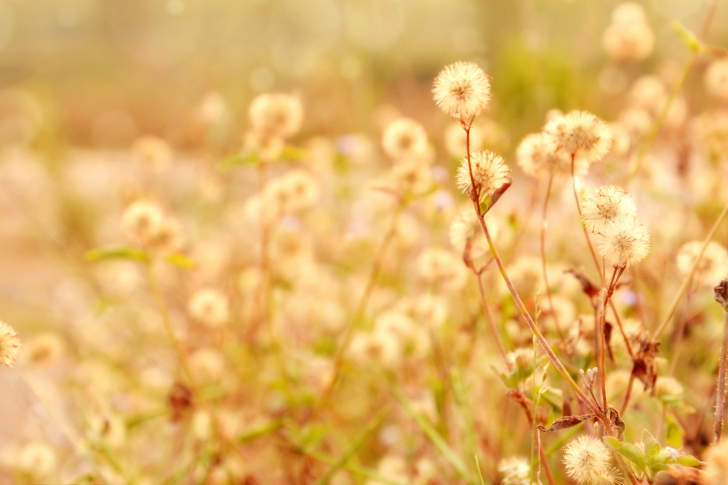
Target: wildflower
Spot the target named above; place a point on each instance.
(628, 39)
(489, 173)
(141, 220)
(462, 90)
(716, 79)
(43, 349)
(9, 344)
(36, 460)
(411, 177)
(276, 115)
(440, 267)
(587, 462)
(153, 151)
(606, 206)
(207, 365)
(537, 156)
(404, 138)
(624, 244)
(209, 307)
(515, 471)
(713, 266)
(716, 468)
(168, 238)
(581, 133)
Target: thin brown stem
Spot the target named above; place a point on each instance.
(689, 277)
(544, 224)
(720, 391)
(586, 233)
(628, 394)
(491, 322)
(545, 463)
(681, 331)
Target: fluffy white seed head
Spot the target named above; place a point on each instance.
(538, 156)
(587, 462)
(276, 115)
(716, 79)
(404, 138)
(489, 173)
(625, 243)
(209, 307)
(607, 206)
(9, 344)
(462, 90)
(581, 134)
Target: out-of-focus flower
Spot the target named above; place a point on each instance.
(9, 344)
(404, 138)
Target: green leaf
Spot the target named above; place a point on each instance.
(690, 39)
(674, 432)
(633, 454)
(237, 160)
(688, 460)
(652, 447)
(116, 252)
(291, 153)
(613, 442)
(180, 260)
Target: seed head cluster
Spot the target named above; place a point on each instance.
(462, 90)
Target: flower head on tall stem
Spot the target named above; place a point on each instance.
(587, 462)
(607, 206)
(489, 173)
(538, 156)
(624, 244)
(581, 134)
(462, 90)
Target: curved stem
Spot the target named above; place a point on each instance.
(363, 301)
(544, 224)
(689, 277)
(586, 233)
(491, 322)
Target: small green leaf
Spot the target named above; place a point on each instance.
(674, 432)
(237, 160)
(291, 153)
(652, 447)
(687, 36)
(633, 454)
(116, 252)
(180, 260)
(613, 442)
(688, 460)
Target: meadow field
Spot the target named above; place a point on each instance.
(363, 242)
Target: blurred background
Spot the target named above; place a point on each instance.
(101, 73)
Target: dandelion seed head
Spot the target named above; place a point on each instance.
(141, 220)
(443, 268)
(209, 307)
(582, 134)
(404, 138)
(411, 177)
(716, 468)
(37, 460)
(716, 79)
(515, 471)
(713, 266)
(489, 171)
(462, 90)
(538, 156)
(9, 344)
(43, 349)
(276, 115)
(607, 206)
(624, 244)
(587, 462)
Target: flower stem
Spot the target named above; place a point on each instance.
(586, 234)
(689, 277)
(544, 224)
